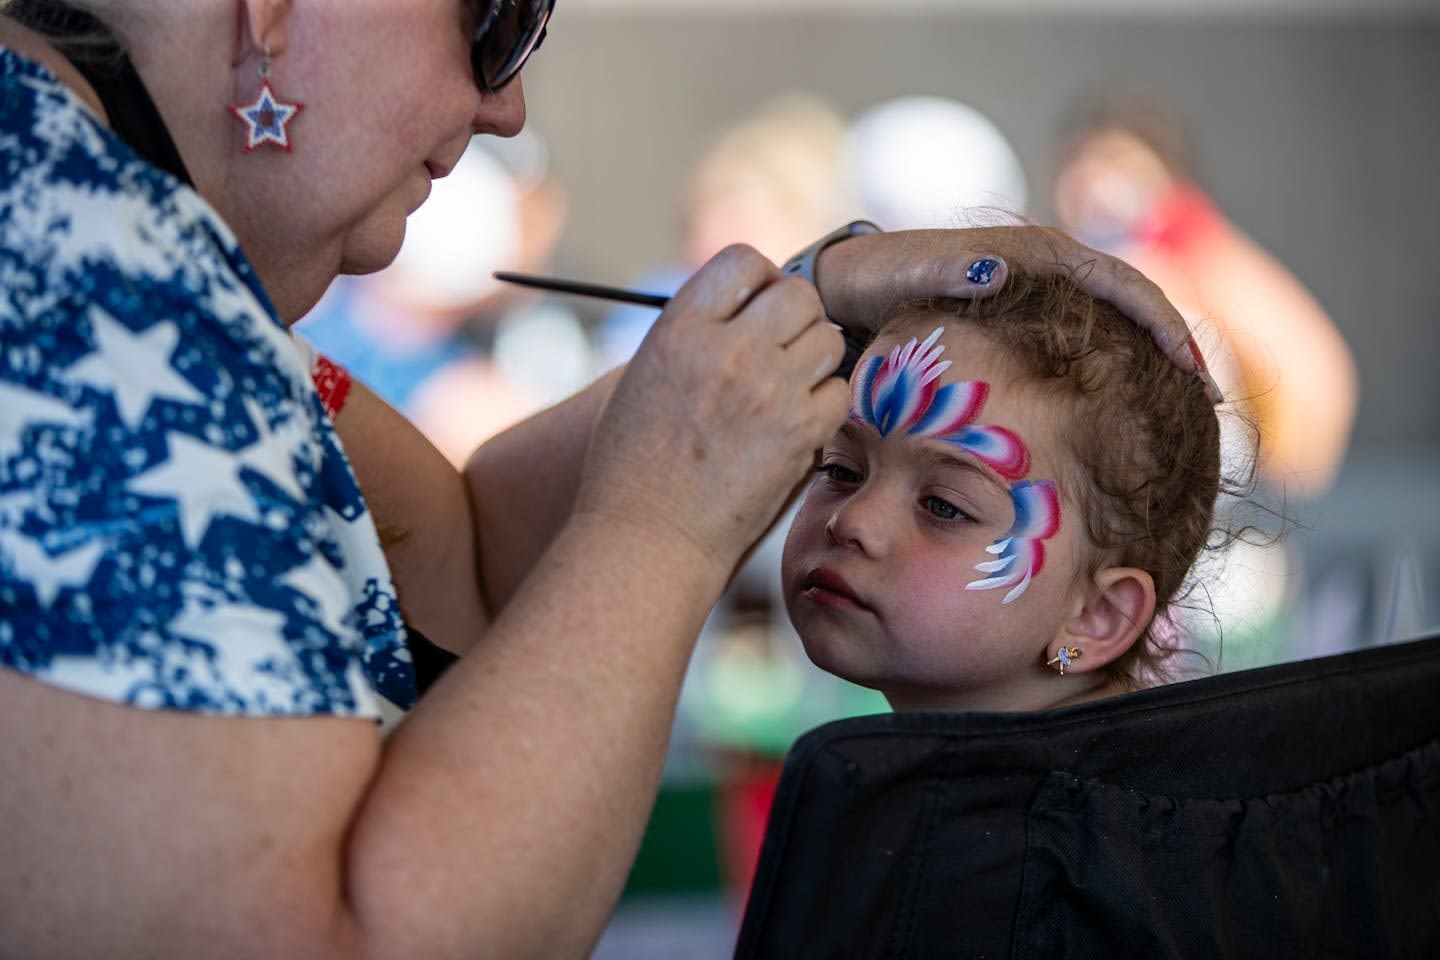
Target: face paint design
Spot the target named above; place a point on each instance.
(1020, 554)
(898, 394)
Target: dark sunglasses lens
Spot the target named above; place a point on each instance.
(505, 41)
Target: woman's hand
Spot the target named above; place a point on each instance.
(860, 278)
(720, 412)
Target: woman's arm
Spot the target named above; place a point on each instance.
(517, 509)
(423, 514)
(500, 819)
(523, 483)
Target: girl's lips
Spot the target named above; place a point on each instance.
(827, 587)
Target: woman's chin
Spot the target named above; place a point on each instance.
(373, 243)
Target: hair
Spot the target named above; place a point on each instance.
(76, 27)
(1143, 438)
(1138, 114)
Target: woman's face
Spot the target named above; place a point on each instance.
(389, 104)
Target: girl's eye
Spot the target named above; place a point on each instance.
(838, 473)
(944, 510)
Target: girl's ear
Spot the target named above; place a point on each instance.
(1115, 611)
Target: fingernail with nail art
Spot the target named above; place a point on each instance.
(1211, 387)
(1198, 357)
(981, 272)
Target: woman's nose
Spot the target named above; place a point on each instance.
(501, 114)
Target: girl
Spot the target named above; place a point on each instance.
(1020, 485)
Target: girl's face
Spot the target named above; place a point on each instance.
(390, 103)
(936, 555)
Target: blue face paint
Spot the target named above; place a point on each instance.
(899, 394)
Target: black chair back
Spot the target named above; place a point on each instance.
(1289, 811)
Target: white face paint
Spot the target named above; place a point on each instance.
(900, 394)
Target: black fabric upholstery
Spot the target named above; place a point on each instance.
(1290, 811)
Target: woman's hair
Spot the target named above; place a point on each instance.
(1143, 437)
(74, 26)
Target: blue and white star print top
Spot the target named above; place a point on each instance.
(179, 527)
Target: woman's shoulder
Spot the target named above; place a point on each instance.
(87, 220)
(187, 506)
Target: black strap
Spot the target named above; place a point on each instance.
(430, 661)
(93, 49)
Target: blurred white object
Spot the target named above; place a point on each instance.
(918, 162)
(467, 229)
(546, 351)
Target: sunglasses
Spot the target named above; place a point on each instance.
(509, 32)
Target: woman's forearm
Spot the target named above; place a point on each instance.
(522, 486)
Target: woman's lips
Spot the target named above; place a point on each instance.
(827, 587)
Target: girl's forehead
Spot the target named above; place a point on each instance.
(926, 377)
(955, 336)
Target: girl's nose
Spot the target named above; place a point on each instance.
(859, 522)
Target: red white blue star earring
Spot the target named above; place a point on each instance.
(266, 117)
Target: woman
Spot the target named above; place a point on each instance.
(179, 528)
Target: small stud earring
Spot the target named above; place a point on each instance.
(1063, 658)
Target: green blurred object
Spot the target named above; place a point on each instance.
(747, 696)
(679, 852)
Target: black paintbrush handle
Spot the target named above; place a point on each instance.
(853, 347)
(583, 289)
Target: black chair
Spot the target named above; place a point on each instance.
(1288, 811)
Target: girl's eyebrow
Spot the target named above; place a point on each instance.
(937, 453)
(933, 452)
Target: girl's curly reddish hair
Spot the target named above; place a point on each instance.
(1144, 439)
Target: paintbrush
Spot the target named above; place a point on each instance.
(853, 347)
(583, 289)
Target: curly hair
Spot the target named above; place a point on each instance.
(1145, 464)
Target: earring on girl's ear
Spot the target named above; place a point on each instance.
(1063, 658)
(266, 117)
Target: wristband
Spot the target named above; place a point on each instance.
(332, 382)
(803, 265)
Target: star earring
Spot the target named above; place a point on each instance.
(266, 118)
(1063, 658)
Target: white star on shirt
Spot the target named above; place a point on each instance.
(271, 455)
(323, 584)
(204, 482)
(134, 367)
(253, 629)
(46, 573)
(20, 407)
(250, 655)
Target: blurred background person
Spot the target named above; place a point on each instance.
(772, 180)
(1126, 184)
(434, 334)
(914, 162)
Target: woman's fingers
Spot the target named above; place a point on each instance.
(719, 413)
(1113, 280)
(864, 277)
